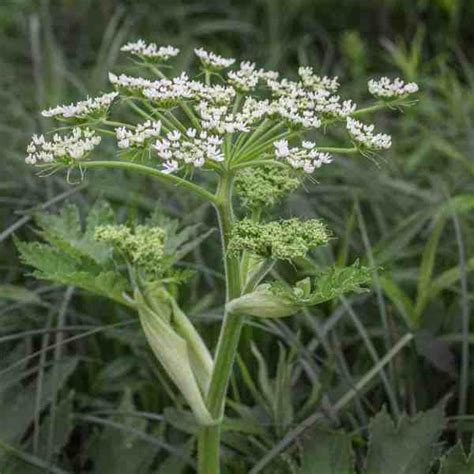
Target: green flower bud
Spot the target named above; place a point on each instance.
(178, 347)
(285, 240)
(263, 303)
(265, 186)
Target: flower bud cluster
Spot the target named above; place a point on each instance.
(265, 186)
(139, 136)
(364, 136)
(71, 147)
(94, 107)
(307, 157)
(213, 61)
(144, 246)
(384, 88)
(285, 240)
(192, 148)
(245, 78)
(150, 51)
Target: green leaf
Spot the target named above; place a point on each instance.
(64, 231)
(457, 462)
(327, 452)
(53, 265)
(405, 448)
(277, 300)
(337, 281)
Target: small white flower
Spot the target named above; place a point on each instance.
(363, 135)
(139, 136)
(312, 81)
(384, 88)
(89, 108)
(307, 158)
(245, 78)
(212, 60)
(190, 148)
(150, 51)
(73, 147)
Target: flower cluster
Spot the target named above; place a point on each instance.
(363, 135)
(246, 78)
(90, 108)
(314, 82)
(150, 51)
(139, 136)
(167, 93)
(129, 83)
(307, 157)
(285, 239)
(213, 61)
(384, 88)
(69, 147)
(220, 120)
(306, 102)
(221, 112)
(144, 246)
(265, 186)
(192, 148)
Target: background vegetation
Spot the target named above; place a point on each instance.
(80, 391)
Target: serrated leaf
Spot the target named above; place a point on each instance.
(53, 265)
(327, 452)
(337, 281)
(65, 232)
(457, 462)
(405, 448)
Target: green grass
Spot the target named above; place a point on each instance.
(92, 397)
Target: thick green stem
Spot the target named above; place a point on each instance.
(209, 437)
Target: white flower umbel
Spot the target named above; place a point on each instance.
(129, 83)
(219, 119)
(290, 111)
(384, 88)
(215, 94)
(307, 157)
(139, 136)
(308, 102)
(315, 82)
(91, 108)
(191, 148)
(213, 61)
(67, 148)
(167, 93)
(364, 136)
(150, 51)
(246, 78)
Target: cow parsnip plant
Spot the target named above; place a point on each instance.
(260, 136)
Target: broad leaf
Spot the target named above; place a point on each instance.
(457, 462)
(405, 448)
(327, 452)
